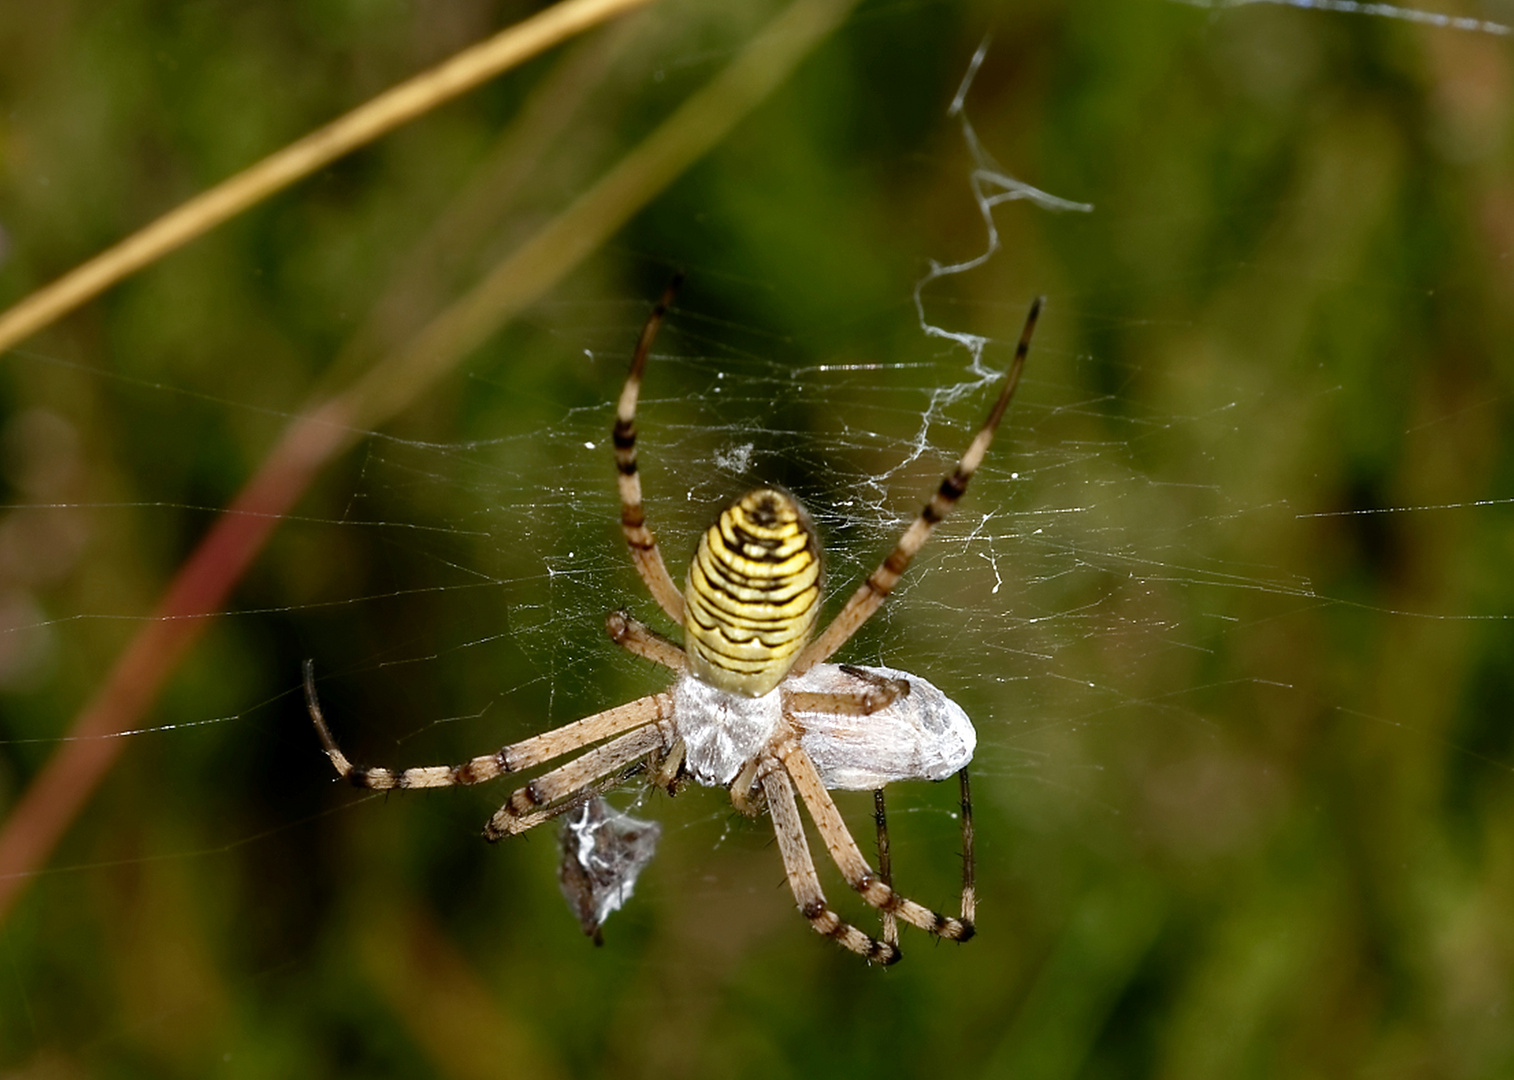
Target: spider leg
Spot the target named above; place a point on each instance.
(633, 522)
(746, 795)
(871, 593)
(885, 865)
(885, 862)
(509, 759)
(969, 886)
(600, 786)
(635, 636)
(843, 849)
(667, 768)
(553, 792)
(880, 693)
(800, 868)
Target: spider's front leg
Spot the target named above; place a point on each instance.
(844, 852)
(800, 868)
(667, 768)
(515, 757)
(969, 866)
(885, 863)
(746, 790)
(555, 792)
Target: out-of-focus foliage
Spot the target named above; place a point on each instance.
(1275, 838)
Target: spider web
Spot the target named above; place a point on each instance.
(1066, 544)
(1063, 545)
(1098, 565)
(1089, 581)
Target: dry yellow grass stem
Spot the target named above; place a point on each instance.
(451, 253)
(539, 264)
(311, 440)
(204, 212)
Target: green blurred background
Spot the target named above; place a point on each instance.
(1230, 604)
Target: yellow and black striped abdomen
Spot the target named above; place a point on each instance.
(753, 593)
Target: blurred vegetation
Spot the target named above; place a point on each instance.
(1245, 784)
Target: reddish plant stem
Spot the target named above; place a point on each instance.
(195, 595)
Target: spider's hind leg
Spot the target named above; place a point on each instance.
(871, 594)
(633, 521)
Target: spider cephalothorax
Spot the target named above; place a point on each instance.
(755, 707)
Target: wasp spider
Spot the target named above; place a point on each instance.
(755, 708)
